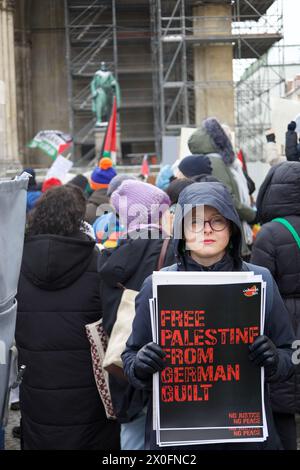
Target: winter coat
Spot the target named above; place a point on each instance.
(96, 199)
(224, 174)
(291, 150)
(276, 249)
(277, 325)
(58, 295)
(242, 185)
(32, 198)
(200, 143)
(128, 264)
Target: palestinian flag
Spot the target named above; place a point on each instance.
(145, 169)
(52, 143)
(110, 141)
(241, 157)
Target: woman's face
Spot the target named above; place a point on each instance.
(167, 221)
(207, 234)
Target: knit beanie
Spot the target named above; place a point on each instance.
(137, 200)
(80, 181)
(211, 138)
(194, 165)
(117, 181)
(50, 183)
(164, 177)
(102, 174)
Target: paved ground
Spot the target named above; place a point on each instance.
(12, 443)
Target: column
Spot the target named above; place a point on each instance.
(8, 113)
(213, 62)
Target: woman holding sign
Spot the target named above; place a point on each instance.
(207, 235)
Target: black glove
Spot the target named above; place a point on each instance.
(149, 359)
(263, 353)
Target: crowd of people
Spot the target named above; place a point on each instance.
(91, 239)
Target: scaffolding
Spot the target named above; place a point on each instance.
(117, 32)
(261, 80)
(91, 37)
(251, 30)
(149, 46)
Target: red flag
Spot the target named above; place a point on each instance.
(63, 147)
(145, 170)
(110, 141)
(241, 158)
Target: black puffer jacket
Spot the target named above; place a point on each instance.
(58, 295)
(276, 249)
(128, 264)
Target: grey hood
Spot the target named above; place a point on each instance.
(208, 194)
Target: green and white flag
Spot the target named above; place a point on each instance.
(51, 142)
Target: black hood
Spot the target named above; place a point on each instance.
(209, 194)
(54, 262)
(279, 195)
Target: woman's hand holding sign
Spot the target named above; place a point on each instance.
(263, 353)
(148, 361)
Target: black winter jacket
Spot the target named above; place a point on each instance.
(58, 295)
(277, 326)
(128, 264)
(276, 249)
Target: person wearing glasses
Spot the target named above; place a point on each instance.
(207, 237)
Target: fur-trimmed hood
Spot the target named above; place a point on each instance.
(211, 138)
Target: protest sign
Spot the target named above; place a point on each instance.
(205, 324)
(59, 168)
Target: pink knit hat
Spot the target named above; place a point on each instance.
(139, 203)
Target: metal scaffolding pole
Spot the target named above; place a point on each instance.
(91, 37)
(253, 32)
(168, 23)
(68, 60)
(254, 90)
(155, 77)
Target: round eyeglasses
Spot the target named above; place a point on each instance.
(216, 223)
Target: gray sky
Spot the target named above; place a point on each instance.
(291, 18)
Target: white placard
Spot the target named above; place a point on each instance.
(60, 168)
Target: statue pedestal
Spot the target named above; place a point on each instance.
(99, 135)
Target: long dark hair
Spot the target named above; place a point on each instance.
(60, 211)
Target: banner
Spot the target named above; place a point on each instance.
(209, 391)
(51, 142)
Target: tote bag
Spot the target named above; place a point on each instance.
(123, 324)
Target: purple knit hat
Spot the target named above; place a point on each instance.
(139, 204)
